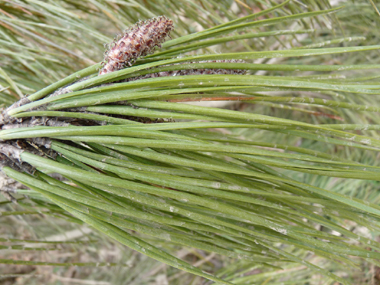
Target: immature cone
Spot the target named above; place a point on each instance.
(137, 41)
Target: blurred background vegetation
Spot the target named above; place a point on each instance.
(42, 42)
